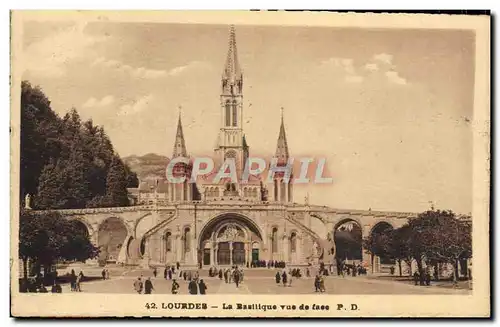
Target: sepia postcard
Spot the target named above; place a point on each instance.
(249, 164)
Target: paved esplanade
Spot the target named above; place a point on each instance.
(263, 283)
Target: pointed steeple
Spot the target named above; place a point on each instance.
(282, 146)
(232, 74)
(180, 144)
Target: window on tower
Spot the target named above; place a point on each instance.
(235, 113)
(228, 113)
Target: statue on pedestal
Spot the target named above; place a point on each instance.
(27, 201)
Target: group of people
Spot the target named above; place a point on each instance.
(283, 277)
(276, 264)
(196, 286)
(422, 279)
(352, 270)
(105, 274)
(38, 287)
(258, 264)
(76, 281)
(233, 274)
(146, 286)
(319, 283)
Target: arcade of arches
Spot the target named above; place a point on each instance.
(229, 239)
(348, 238)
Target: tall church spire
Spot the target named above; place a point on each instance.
(282, 146)
(232, 76)
(180, 144)
(232, 70)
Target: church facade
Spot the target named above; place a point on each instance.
(226, 223)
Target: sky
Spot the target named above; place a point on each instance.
(390, 109)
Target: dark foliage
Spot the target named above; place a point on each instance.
(67, 163)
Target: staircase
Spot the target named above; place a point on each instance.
(135, 257)
(304, 227)
(160, 225)
(311, 233)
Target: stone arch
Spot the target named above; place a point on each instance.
(348, 239)
(227, 217)
(111, 236)
(381, 227)
(231, 236)
(81, 222)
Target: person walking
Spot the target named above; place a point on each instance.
(416, 277)
(193, 287)
(138, 285)
(220, 274)
(278, 277)
(322, 284)
(78, 282)
(72, 278)
(203, 287)
(148, 286)
(175, 287)
(316, 284)
(236, 278)
(284, 278)
(103, 273)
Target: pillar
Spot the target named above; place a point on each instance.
(285, 248)
(215, 253)
(211, 253)
(247, 257)
(194, 249)
(231, 253)
(178, 248)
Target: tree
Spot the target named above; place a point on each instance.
(40, 134)
(65, 162)
(51, 186)
(377, 244)
(443, 238)
(45, 237)
(398, 246)
(116, 183)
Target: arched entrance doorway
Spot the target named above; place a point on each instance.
(112, 233)
(348, 239)
(230, 239)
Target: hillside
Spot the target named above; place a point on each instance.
(148, 166)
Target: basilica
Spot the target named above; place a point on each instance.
(227, 223)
